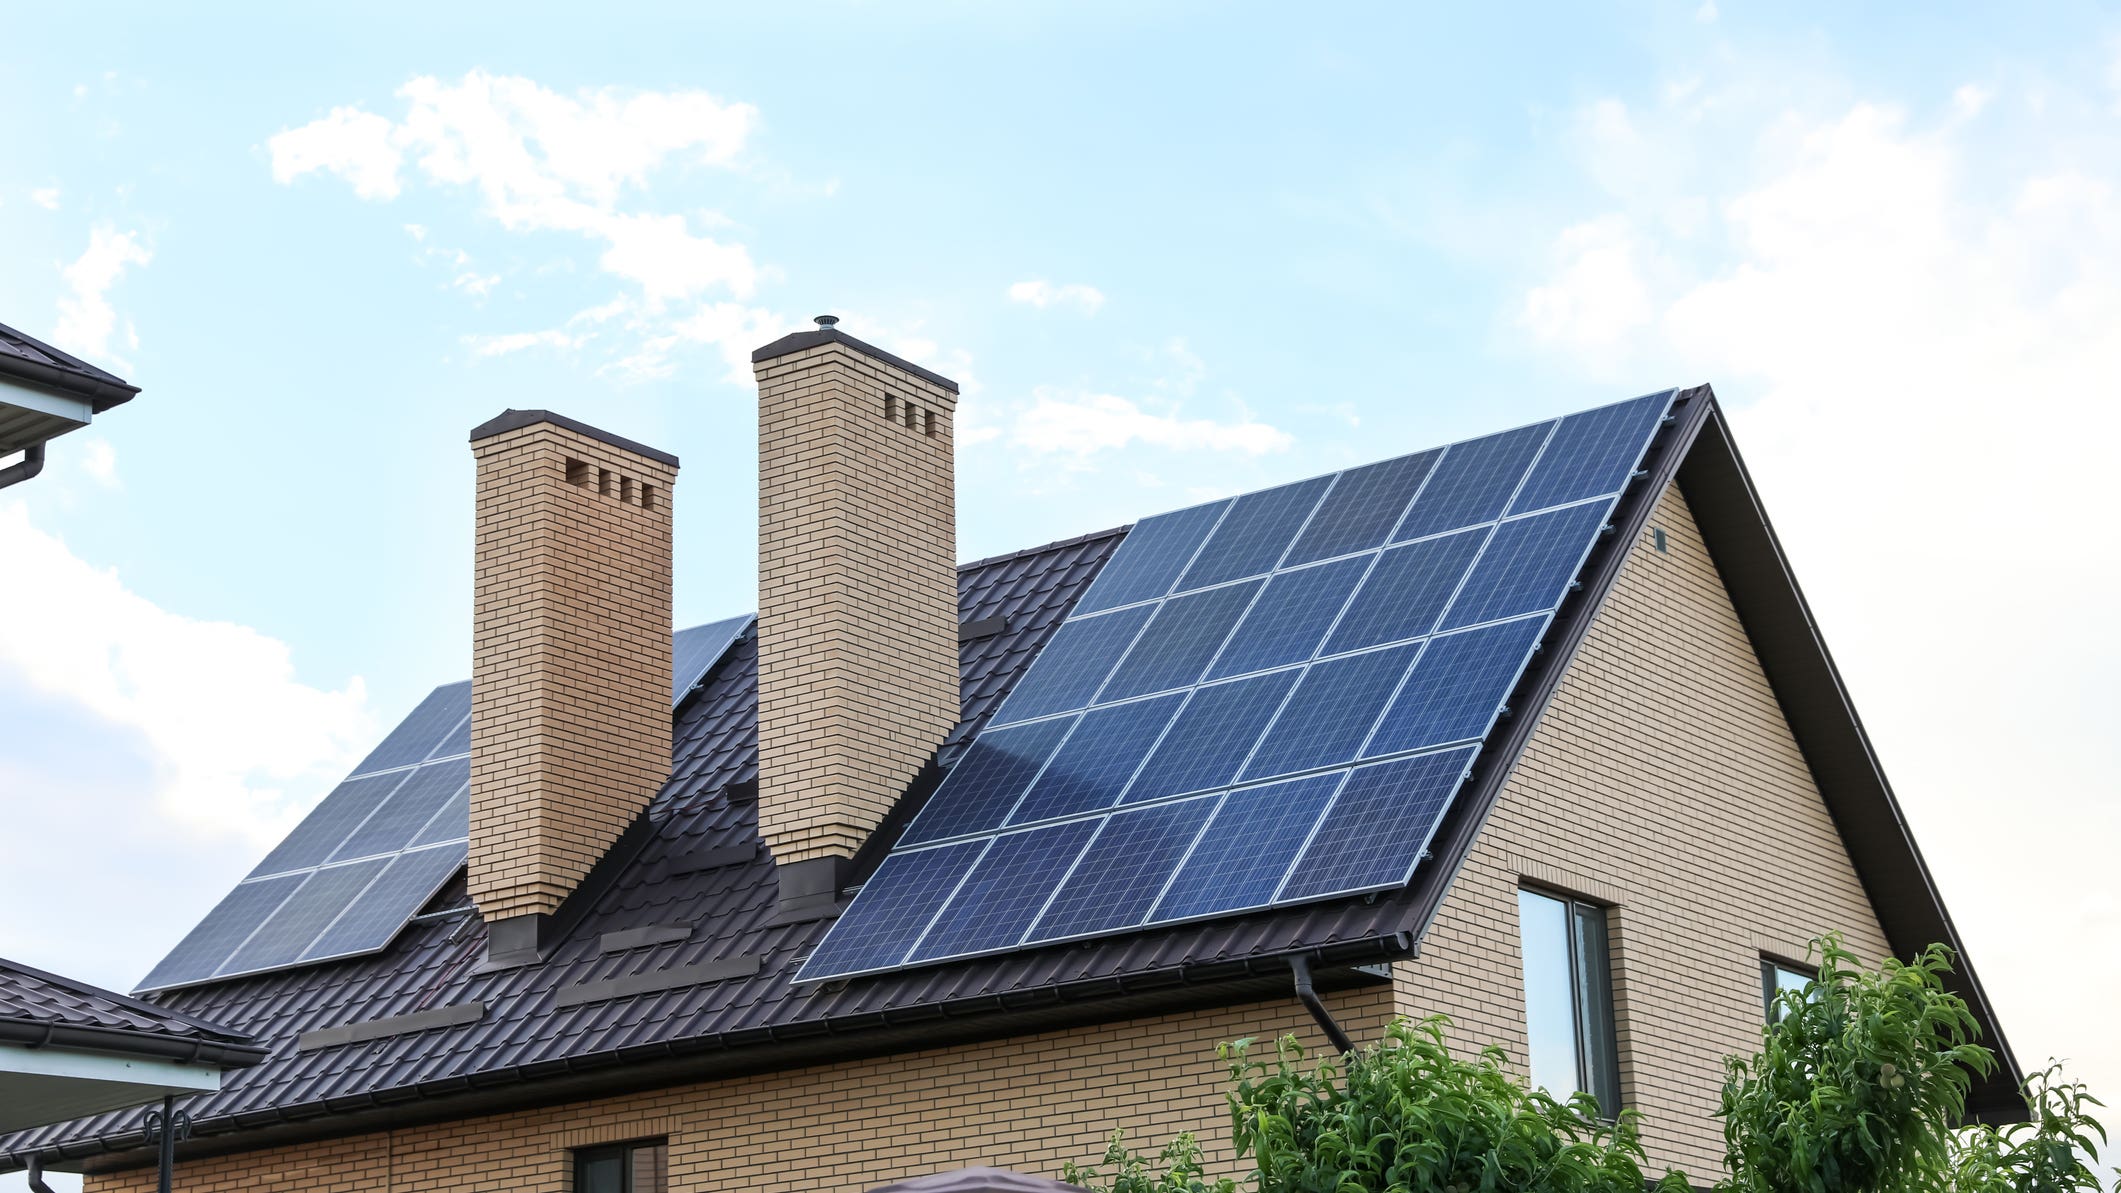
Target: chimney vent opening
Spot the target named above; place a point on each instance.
(604, 481)
(577, 473)
(891, 408)
(928, 422)
(647, 496)
(626, 490)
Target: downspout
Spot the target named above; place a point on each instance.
(1300, 967)
(36, 1174)
(32, 463)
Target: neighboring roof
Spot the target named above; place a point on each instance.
(29, 361)
(671, 964)
(42, 1010)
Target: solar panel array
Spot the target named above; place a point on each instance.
(377, 848)
(1261, 701)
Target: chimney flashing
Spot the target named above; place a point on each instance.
(803, 341)
(516, 420)
(810, 889)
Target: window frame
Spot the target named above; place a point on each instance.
(627, 1153)
(1771, 970)
(1589, 963)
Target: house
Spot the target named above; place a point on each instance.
(44, 393)
(938, 865)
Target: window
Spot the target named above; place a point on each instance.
(1568, 998)
(1776, 977)
(621, 1168)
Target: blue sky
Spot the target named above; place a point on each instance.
(1172, 251)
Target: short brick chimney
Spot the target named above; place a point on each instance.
(857, 632)
(570, 688)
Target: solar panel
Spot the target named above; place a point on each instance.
(379, 846)
(1321, 662)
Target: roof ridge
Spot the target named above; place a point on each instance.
(1093, 536)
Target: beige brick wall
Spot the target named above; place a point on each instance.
(858, 660)
(570, 704)
(1030, 1103)
(1663, 781)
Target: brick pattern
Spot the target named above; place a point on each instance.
(1663, 781)
(570, 703)
(857, 631)
(1030, 1103)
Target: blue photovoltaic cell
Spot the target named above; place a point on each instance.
(1592, 453)
(1151, 557)
(1527, 565)
(1093, 767)
(412, 879)
(328, 824)
(1251, 640)
(459, 739)
(695, 651)
(1457, 686)
(1326, 720)
(452, 823)
(1378, 825)
(417, 735)
(897, 901)
(1473, 482)
(1362, 509)
(1073, 665)
(1208, 742)
(1254, 534)
(1005, 889)
(1285, 624)
(1175, 648)
(1122, 872)
(407, 811)
(1406, 592)
(307, 912)
(233, 919)
(985, 784)
(1247, 848)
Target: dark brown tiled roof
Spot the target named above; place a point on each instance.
(33, 362)
(40, 1008)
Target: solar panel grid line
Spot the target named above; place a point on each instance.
(1031, 925)
(1502, 507)
(1027, 691)
(267, 918)
(459, 723)
(1022, 793)
(1282, 897)
(1414, 669)
(1348, 663)
(1031, 931)
(1273, 564)
(1222, 801)
(1157, 913)
(1119, 789)
(1090, 598)
(1282, 559)
(1266, 726)
(998, 897)
(1165, 604)
(913, 945)
(1368, 567)
(1453, 611)
(345, 899)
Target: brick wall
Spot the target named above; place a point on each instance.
(570, 694)
(1030, 1104)
(858, 658)
(1664, 782)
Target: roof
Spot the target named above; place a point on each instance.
(32, 362)
(671, 964)
(45, 1010)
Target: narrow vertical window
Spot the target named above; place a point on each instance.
(1568, 996)
(1776, 979)
(623, 1168)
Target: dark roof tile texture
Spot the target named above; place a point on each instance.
(27, 359)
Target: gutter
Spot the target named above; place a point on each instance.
(193, 1050)
(1300, 969)
(629, 1069)
(101, 394)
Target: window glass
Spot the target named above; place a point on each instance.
(1549, 992)
(1775, 978)
(622, 1168)
(1568, 994)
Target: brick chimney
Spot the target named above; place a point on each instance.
(857, 632)
(570, 689)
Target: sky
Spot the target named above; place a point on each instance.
(1170, 251)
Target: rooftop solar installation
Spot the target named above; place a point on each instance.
(376, 849)
(1261, 701)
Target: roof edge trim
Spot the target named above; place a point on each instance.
(513, 420)
(794, 342)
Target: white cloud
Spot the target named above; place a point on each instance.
(1918, 348)
(240, 745)
(502, 345)
(46, 197)
(98, 460)
(86, 318)
(1081, 423)
(1970, 99)
(539, 161)
(360, 147)
(1043, 294)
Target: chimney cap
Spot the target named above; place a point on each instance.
(826, 333)
(511, 419)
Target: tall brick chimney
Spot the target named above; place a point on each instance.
(570, 687)
(857, 632)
